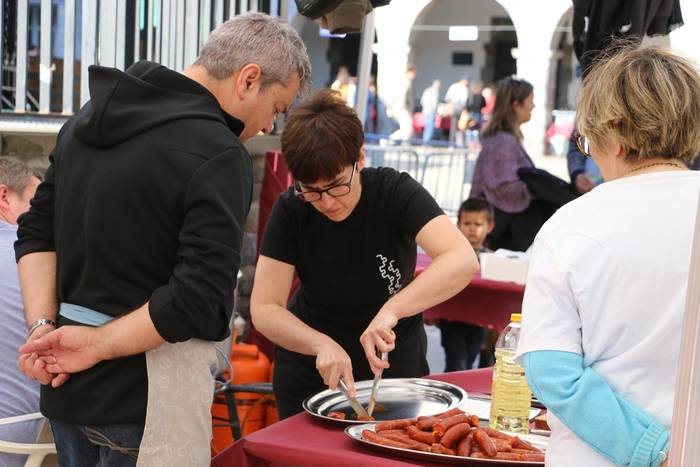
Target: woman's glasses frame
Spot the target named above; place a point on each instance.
(335, 191)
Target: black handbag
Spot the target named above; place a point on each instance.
(316, 8)
(546, 186)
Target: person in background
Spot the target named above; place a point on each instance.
(518, 216)
(18, 395)
(462, 342)
(489, 96)
(429, 104)
(476, 221)
(371, 110)
(346, 85)
(475, 104)
(608, 276)
(403, 106)
(456, 98)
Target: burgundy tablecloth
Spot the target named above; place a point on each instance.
(483, 302)
(303, 441)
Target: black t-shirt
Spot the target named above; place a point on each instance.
(349, 269)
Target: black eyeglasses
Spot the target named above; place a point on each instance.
(583, 144)
(336, 191)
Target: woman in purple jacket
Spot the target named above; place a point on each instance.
(518, 216)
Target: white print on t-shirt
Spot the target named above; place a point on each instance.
(393, 274)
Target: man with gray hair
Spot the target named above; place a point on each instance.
(132, 244)
(18, 395)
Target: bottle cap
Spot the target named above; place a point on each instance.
(516, 317)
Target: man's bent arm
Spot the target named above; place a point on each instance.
(37, 278)
(131, 334)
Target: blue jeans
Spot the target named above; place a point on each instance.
(428, 126)
(462, 344)
(98, 445)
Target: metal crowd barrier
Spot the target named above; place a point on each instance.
(445, 172)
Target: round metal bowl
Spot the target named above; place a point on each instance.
(397, 398)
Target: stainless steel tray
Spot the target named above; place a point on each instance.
(398, 397)
(355, 432)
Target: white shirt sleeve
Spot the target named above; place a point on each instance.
(550, 311)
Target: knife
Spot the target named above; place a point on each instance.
(375, 386)
(356, 406)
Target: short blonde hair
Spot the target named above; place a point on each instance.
(647, 99)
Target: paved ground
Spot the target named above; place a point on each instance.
(436, 356)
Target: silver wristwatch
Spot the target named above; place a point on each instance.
(38, 323)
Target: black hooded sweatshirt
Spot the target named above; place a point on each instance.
(145, 200)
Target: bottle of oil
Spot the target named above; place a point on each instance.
(510, 394)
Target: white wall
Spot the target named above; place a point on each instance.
(431, 51)
(686, 39)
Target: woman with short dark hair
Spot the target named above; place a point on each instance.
(350, 233)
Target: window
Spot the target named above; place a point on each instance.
(462, 58)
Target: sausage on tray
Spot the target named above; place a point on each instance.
(373, 437)
(402, 438)
(443, 425)
(464, 447)
(522, 444)
(438, 448)
(497, 434)
(511, 456)
(419, 435)
(450, 413)
(454, 434)
(502, 445)
(394, 424)
(426, 423)
(474, 420)
(485, 442)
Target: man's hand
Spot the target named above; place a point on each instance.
(583, 183)
(332, 362)
(68, 349)
(30, 364)
(379, 337)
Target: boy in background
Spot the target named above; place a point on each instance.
(461, 341)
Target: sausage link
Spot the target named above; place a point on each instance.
(419, 435)
(464, 447)
(522, 444)
(394, 424)
(485, 442)
(427, 423)
(454, 434)
(402, 438)
(438, 448)
(502, 445)
(497, 434)
(450, 413)
(373, 437)
(443, 425)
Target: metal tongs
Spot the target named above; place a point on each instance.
(356, 406)
(375, 386)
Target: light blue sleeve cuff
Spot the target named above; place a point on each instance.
(652, 449)
(588, 406)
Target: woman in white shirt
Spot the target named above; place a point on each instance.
(606, 288)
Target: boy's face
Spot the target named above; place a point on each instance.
(475, 226)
